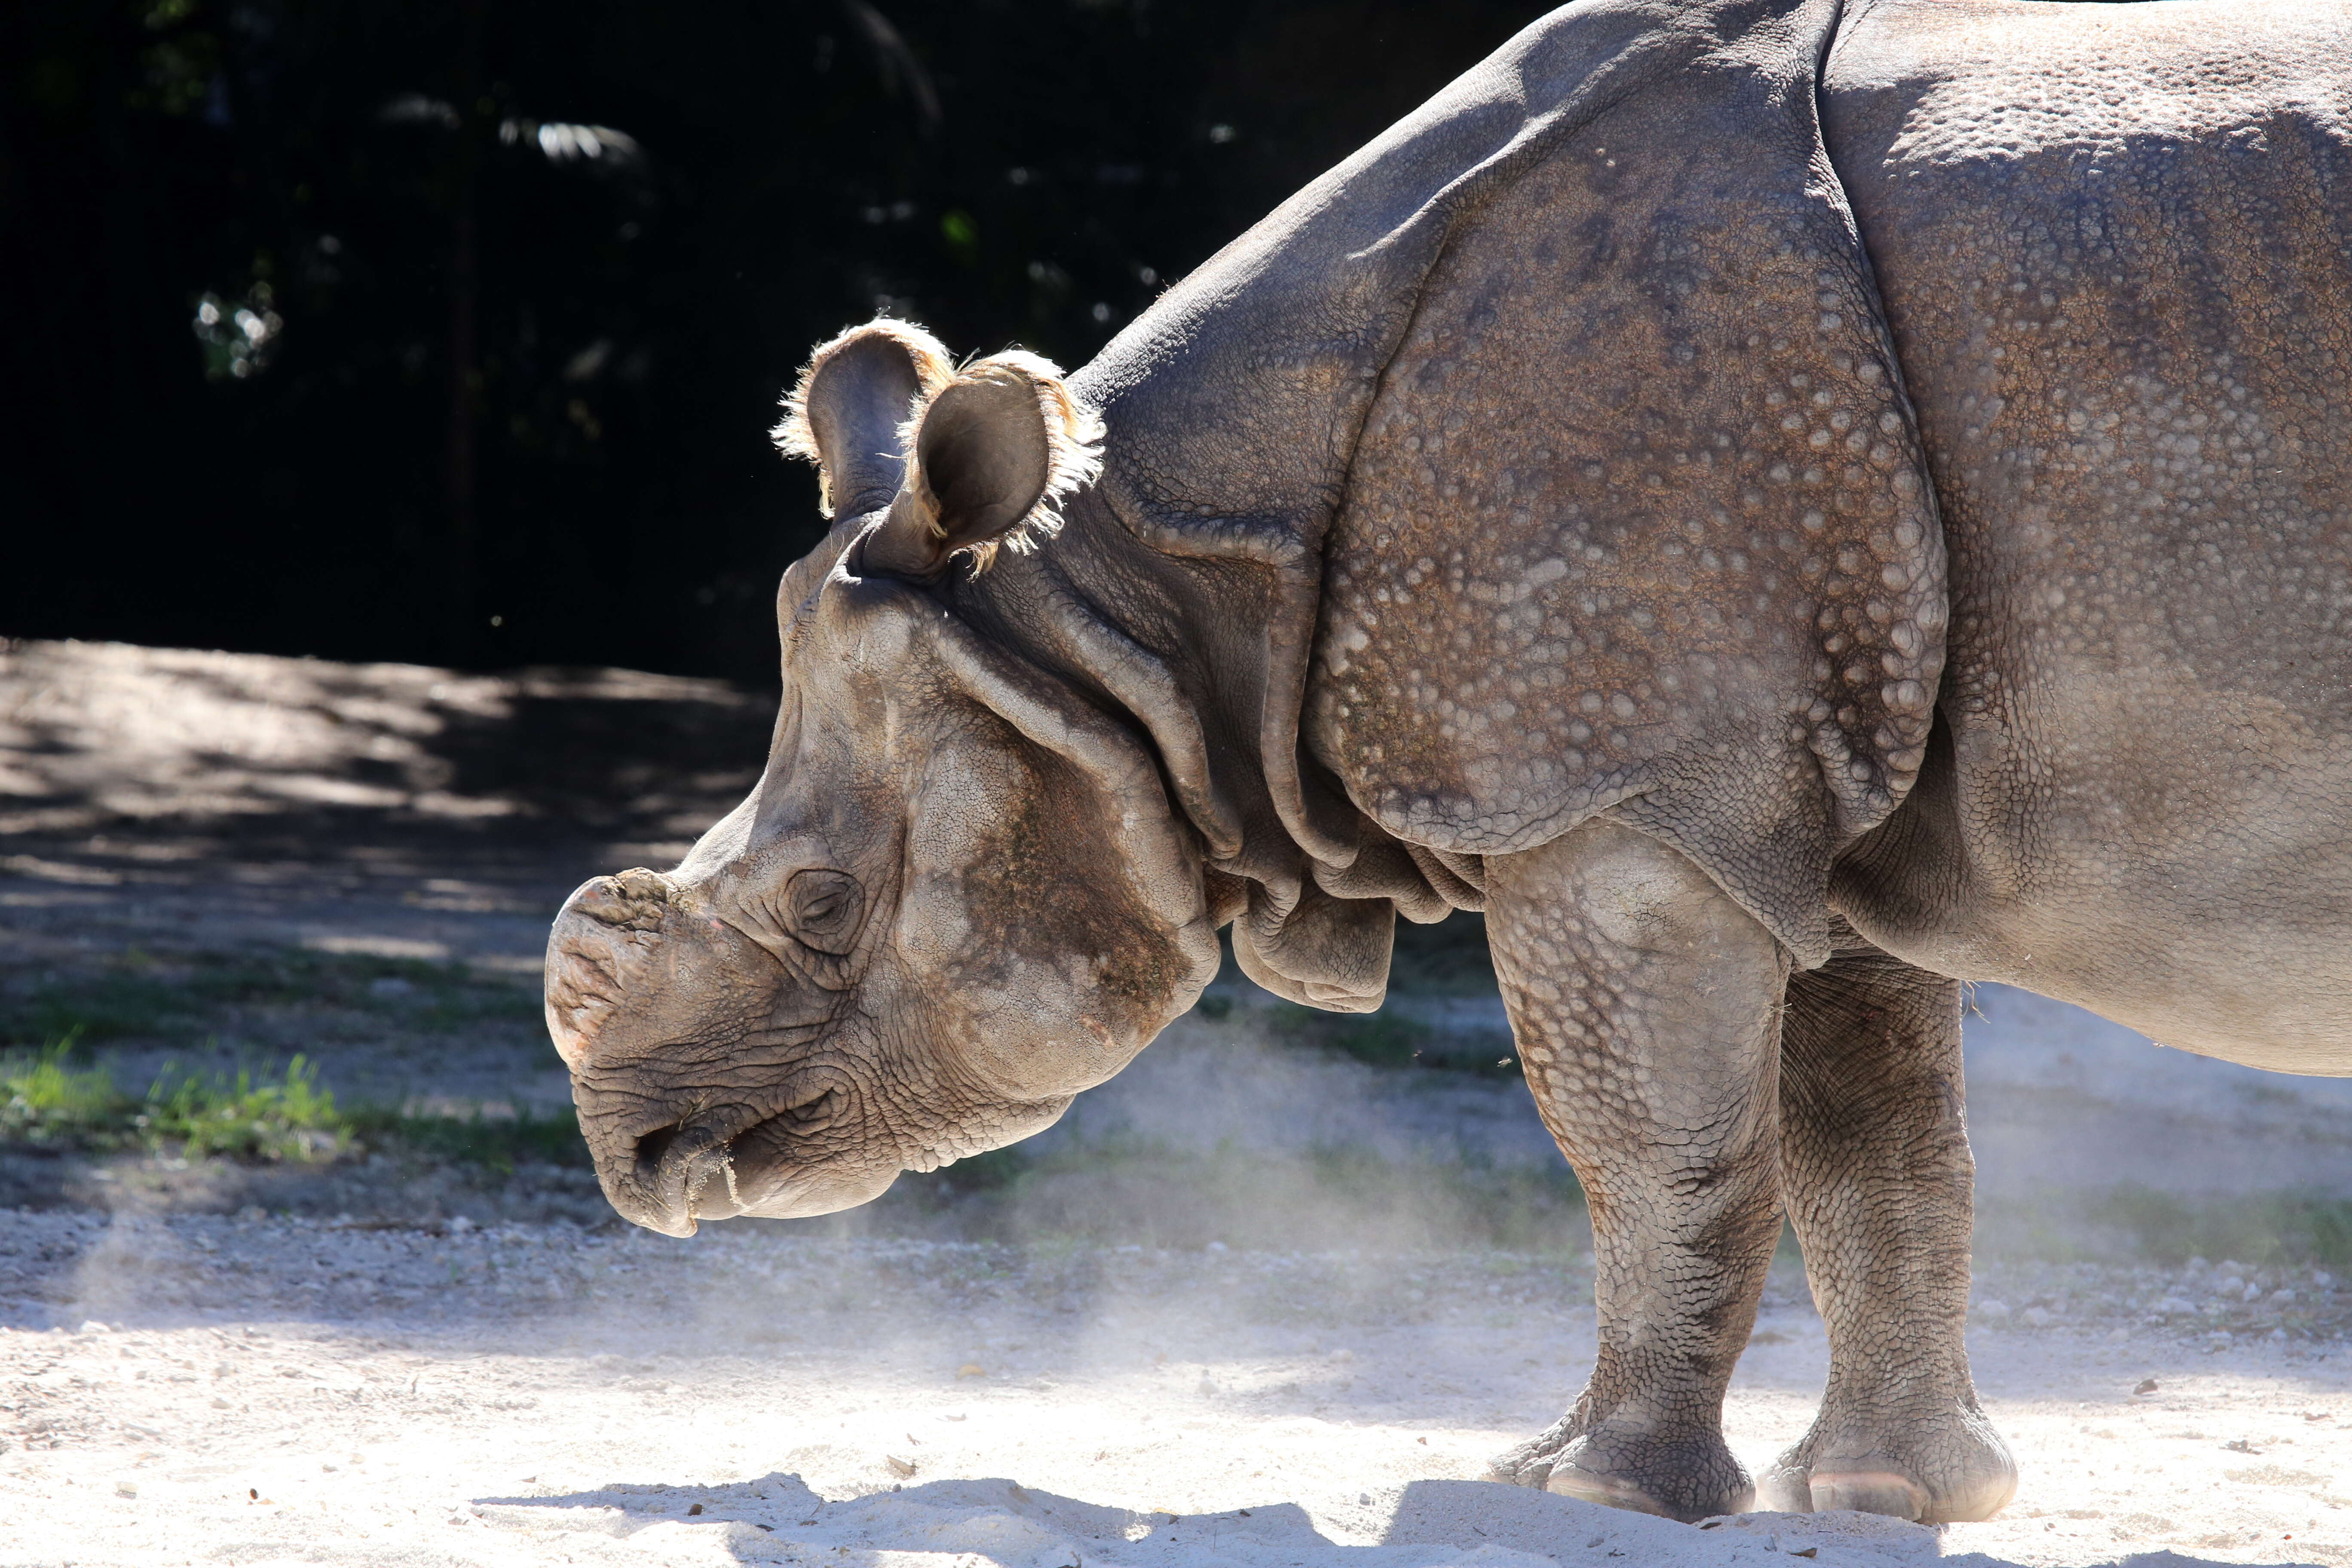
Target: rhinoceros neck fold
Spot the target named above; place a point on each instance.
(1204, 654)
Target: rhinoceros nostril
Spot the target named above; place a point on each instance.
(652, 1146)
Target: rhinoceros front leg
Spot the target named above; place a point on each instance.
(1647, 1008)
(1879, 1182)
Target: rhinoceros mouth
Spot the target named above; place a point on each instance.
(683, 1172)
(669, 1180)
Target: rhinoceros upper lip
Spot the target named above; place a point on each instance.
(681, 1166)
(703, 1148)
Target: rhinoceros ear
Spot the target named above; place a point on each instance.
(845, 412)
(994, 452)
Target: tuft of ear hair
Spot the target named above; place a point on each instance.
(796, 434)
(1073, 435)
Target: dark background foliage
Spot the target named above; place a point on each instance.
(450, 330)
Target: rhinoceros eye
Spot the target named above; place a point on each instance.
(822, 907)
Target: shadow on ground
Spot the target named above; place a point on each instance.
(1419, 1525)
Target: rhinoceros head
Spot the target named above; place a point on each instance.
(957, 896)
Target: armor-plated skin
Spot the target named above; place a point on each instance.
(2115, 249)
(1784, 508)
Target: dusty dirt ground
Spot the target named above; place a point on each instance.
(1192, 1335)
(271, 1390)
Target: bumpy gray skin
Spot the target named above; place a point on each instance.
(1785, 510)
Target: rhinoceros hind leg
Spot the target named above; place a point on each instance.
(1876, 1170)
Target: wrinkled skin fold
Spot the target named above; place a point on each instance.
(1785, 507)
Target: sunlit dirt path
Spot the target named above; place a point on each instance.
(278, 1391)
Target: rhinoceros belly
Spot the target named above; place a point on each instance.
(2115, 247)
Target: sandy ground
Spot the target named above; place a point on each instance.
(1283, 1372)
(278, 1391)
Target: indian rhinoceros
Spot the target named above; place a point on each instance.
(1784, 509)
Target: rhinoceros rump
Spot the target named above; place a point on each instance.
(1783, 510)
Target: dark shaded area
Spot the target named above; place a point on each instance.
(278, 773)
(141, 997)
(450, 330)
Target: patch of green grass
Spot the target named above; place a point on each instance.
(48, 1101)
(55, 1097)
(51, 1101)
(48, 1098)
(290, 1118)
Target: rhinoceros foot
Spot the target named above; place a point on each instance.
(1692, 1477)
(1948, 1472)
